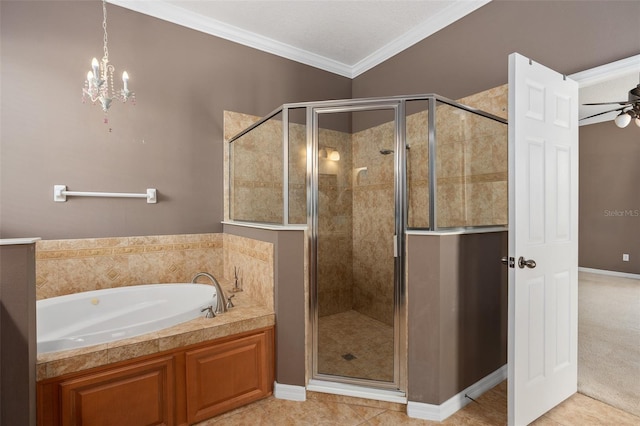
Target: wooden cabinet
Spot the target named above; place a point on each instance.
(136, 394)
(227, 375)
(177, 387)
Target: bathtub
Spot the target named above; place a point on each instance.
(101, 316)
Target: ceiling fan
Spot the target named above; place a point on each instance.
(628, 109)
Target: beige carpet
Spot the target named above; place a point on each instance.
(609, 340)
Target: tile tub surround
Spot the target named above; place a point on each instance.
(76, 265)
(248, 314)
(72, 266)
(255, 262)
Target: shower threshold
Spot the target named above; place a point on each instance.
(357, 391)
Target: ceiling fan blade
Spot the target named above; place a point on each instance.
(610, 103)
(605, 112)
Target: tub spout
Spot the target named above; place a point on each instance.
(221, 298)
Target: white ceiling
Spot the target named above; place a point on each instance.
(345, 37)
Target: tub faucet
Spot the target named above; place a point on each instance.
(220, 305)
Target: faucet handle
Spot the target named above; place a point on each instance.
(229, 302)
(209, 310)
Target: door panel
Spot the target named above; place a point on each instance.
(354, 231)
(543, 225)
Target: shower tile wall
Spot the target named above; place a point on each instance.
(71, 266)
(256, 167)
(471, 164)
(373, 223)
(297, 173)
(417, 134)
(233, 123)
(486, 160)
(335, 177)
(335, 223)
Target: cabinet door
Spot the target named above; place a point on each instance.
(228, 375)
(137, 394)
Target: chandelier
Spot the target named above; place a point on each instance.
(98, 87)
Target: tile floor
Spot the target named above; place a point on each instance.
(489, 410)
(370, 342)
(368, 347)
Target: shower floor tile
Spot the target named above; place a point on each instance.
(354, 345)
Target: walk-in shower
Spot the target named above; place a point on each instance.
(361, 174)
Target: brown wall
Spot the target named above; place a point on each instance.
(470, 55)
(18, 334)
(290, 299)
(609, 197)
(170, 140)
(457, 305)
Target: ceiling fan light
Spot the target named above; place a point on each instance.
(623, 120)
(637, 120)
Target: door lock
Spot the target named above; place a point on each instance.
(510, 261)
(528, 263)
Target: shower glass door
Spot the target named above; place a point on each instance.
(357, 268)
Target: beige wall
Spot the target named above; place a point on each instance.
(170, 140)
(609, 197)
(76, 265)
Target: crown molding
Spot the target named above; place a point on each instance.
(169, 12)
(446, 17)
(608, 71)
(603, 73)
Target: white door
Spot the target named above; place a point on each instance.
(543, 239)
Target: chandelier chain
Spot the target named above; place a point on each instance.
(104, 27)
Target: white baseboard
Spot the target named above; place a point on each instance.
(612, 273)
(289, 392)
(438, 413)
(357, 391)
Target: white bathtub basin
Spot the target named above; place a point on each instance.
(100, 316)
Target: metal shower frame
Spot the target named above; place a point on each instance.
(398, 105)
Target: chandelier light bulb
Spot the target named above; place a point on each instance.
(95, 66)
(623, 120)
(125, 81)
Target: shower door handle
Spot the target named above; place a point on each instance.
(395, 246)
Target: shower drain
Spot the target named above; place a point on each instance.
(349, 357)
